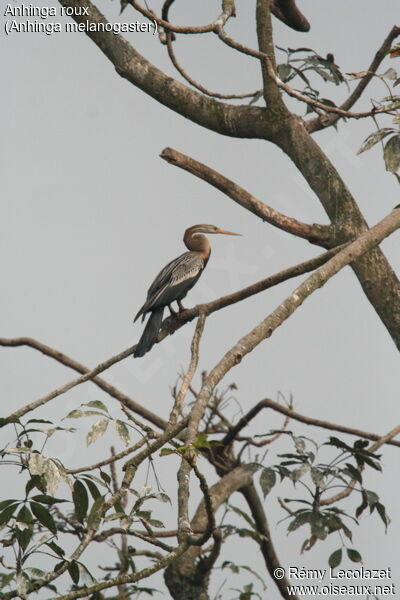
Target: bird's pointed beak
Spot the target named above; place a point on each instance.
(226, 232)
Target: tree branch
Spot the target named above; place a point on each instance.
(377, 278)
(80, 368)
(267, 548)
(237, 121)
(316, 234)
(187, 577)
(267, 403)
(266, 46)
(323, 121)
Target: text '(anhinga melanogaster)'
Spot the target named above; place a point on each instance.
(174, 281)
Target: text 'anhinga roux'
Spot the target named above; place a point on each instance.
(174, 281)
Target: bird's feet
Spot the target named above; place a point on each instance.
(181, 307)
(172, 311)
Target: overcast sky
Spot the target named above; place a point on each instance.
(90, 214)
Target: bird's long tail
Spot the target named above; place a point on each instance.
(150, 332)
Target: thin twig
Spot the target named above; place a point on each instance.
(290, 413)
(108, 461)
(196, 84)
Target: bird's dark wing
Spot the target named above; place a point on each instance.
(174, 281)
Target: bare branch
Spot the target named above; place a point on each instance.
(123, 579)
(187, 379)
(267, 548)
(142, 535)
(88, 376)
(272, 96)
(289, 412)
(317, 234)
(227, 12)
(237, 121)
(108, 461)
(187, 575)
(196, 84)
(80, 368)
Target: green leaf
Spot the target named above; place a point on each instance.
(36, 481)
(6, 503)
(97, 404)
(76, 414)
(105, 477)
(24, 530)
(5, 579)
(73, 570)
(81, 500)
(163, 497)
(267, 480)
(45, 499)
(56, 548)
(156, 523)
(347, 532)
(360, 509)
(114, 516)
(143, 514)
(319, 526)
(96, 431)
(167, 451)
(372, 498)
(122, 431)
(95, 512)
(43, 516)
(354, 555)
(41, 465)
(284, 70)
(25, 516)
(390, 74)
(93, 489)
(335, 558)
(353, 472)
(7, 513)
(297, 474)
(232, 566)
(299, 520)
(318, 477)
(374, 138)
(242, 514)
(300, 444)
(391, 154)
(382, 513)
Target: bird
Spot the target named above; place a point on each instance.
(174, 281)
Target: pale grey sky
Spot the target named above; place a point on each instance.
(90, 214)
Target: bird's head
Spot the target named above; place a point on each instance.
(209, 229)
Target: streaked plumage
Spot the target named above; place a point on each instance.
(174, 281)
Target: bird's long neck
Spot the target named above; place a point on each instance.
(197, 243)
